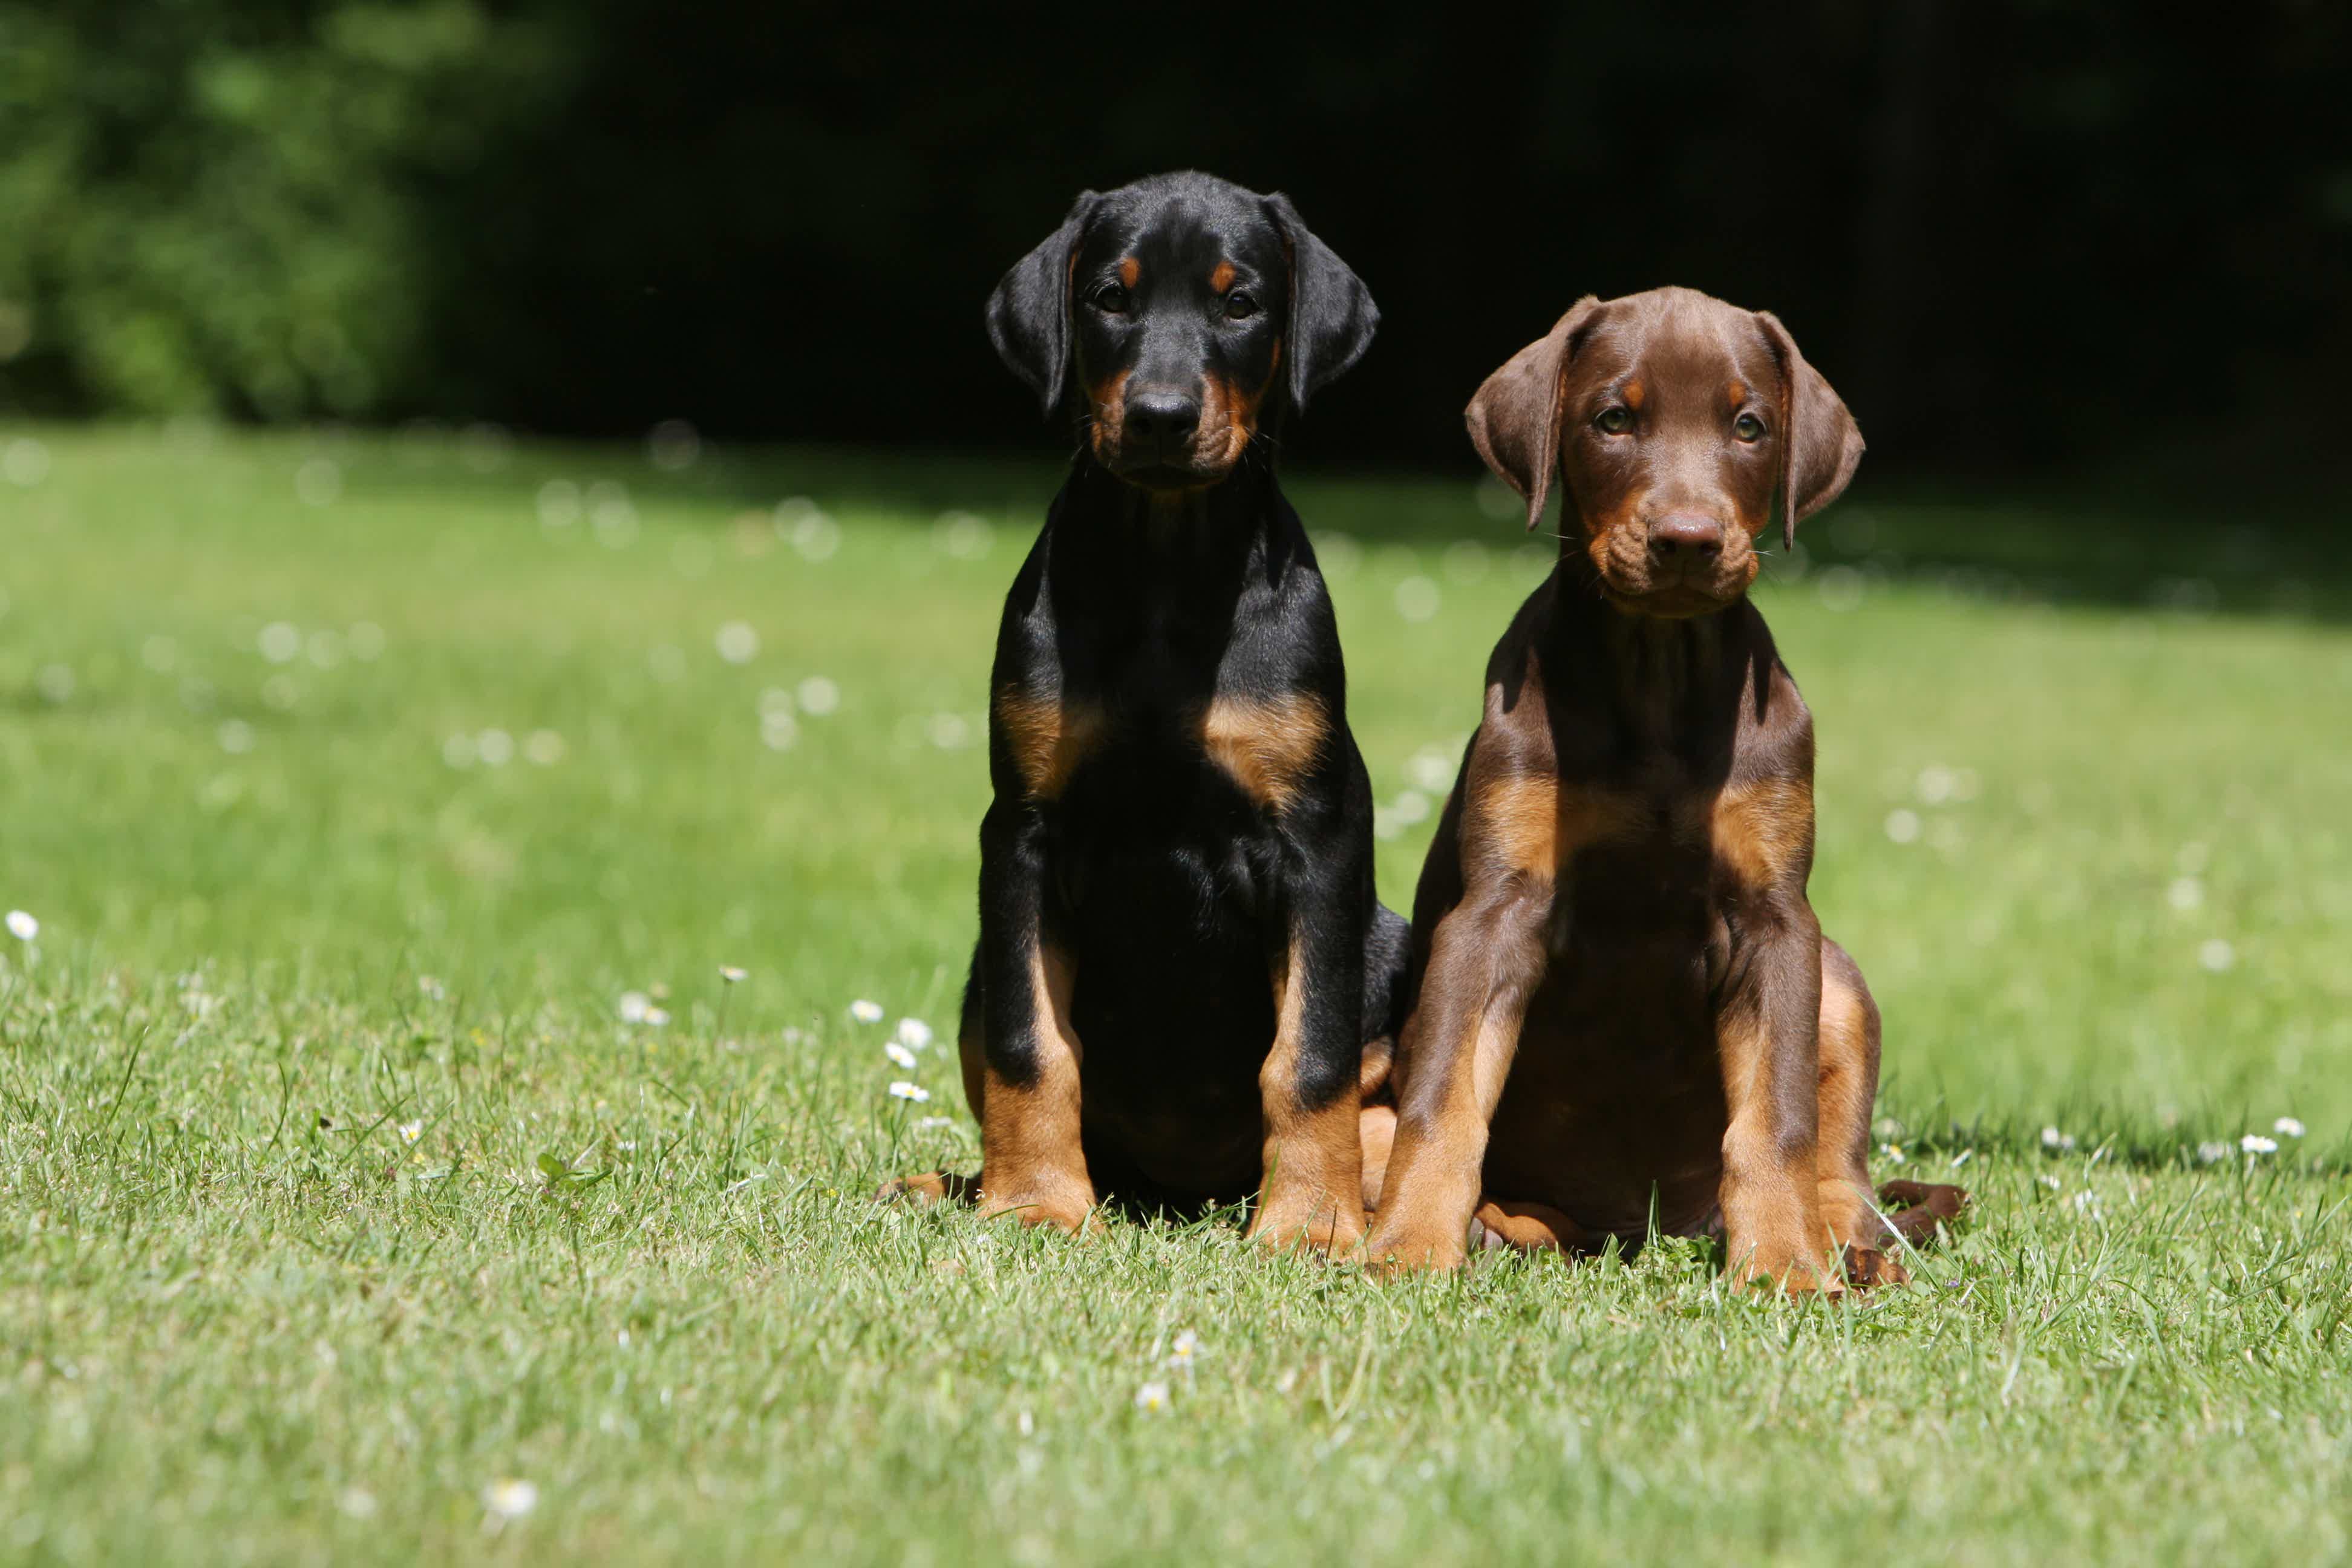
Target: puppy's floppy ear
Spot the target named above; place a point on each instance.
(1820, 440)
(1514, 418)
(1332, 317)
(1029, 314)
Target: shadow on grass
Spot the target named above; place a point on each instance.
(2140, 538)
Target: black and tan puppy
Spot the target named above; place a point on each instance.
(1180, 957)
(1625, 1012)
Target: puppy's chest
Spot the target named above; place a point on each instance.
(1158, 735)
(1656, 864)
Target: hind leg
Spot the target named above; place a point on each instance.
(1387, 959)
(1375, 1136)
(1849, 1091)
(947, 1186)
(1527, 1227)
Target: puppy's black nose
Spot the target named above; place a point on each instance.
(1165, 419)
(1686, 538)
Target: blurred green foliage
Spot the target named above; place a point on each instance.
(2033, 231)
(215, 208)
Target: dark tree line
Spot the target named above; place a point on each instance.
(2010, 232)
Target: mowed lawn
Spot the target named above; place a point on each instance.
(387, 1172)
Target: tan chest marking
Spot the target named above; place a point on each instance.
(1528, 824)
(1763, 830)
(1048, 738)
(1267, 745)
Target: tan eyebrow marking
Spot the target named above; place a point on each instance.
(1222, 277)
(1130, 269)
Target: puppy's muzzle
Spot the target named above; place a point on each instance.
(1158, 438)
(1684, 547)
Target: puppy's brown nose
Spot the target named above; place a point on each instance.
(1685, 539)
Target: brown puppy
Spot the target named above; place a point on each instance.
(1626, 1013)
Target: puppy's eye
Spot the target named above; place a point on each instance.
(1110, 298)
(1615, 421)
(1240, 306)
(1747, 427)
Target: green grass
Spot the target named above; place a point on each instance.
(2083, 822)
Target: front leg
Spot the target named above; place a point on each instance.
(1767, 1037)
(1031, 1161)
(1485, 963)
(1313, 1164)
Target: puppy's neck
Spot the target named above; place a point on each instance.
(1203, 523)
(1655, 668)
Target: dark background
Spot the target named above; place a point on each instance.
(2013, 235)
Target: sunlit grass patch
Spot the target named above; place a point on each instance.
(479, 901)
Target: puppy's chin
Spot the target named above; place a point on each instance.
(1154, 474)
(1675, 601)
(1633, 586)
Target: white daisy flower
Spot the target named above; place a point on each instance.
(1417, 598)
(819, 695)
(866, 1011)
(731, 974)
(915, 1034)
(2212, 1152)
(2053, 1139)
(410, 1132)
(634, 1005)
(2287, 1127)
(738, 642)
(1183, 1347)
(508, 1497)
(902, 1089)
(280, 641)
(1152, 1395)
(1431, 769)
(900, 1054)
(22, 926)
(1894, 1154)
(656, 1016)
(2255, 1143)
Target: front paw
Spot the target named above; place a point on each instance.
(1866, 1267)
(930, 1188)
(1065, 1212)
(1795, 1272)
(1317, 1222)
(1408, 1244)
